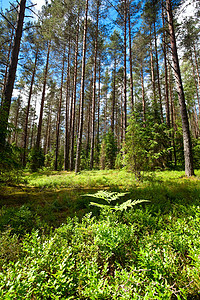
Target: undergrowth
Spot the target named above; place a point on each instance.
(145, 250)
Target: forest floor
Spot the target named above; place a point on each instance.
(60, 193)
(55, 245)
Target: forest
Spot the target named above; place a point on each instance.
(100, 149)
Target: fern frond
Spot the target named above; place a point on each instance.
(129, 204)
(107, 196)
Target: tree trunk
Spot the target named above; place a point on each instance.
(189, 171)
(166, 72)
(59, 114)
(8, 59)
(173, 118)
(158, 75)
(130, 57)
(98, 113)
(124, 88)
(48, 130)
(143, 95)
(196, 85)
(94, 90)
(37, 145)
(28, 109)
(15, 134)
(79, 141)
(112, 125)
(66, 149)
(153, 80)
(196, 63)
(7, 95)
(74, 101)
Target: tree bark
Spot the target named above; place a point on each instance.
(158, 75)
(79, 141)
(166, 72)
(196, 85)
(153, 79)
(8, 59)
(28, 109)
(7, 95)
(130, 57)
(196, 63)
(124, 87)
(112, 125)
(37, 145)
(66, 149)
(143, 95)
(59, 114)
(189, 171)
(94, 90)
(74, 101)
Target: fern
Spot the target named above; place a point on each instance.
(113, 196)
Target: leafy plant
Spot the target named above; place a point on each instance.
(113, 196)
(36, 159)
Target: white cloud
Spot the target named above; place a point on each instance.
(39, 4)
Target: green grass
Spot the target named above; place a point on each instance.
(148, 252)
(89, 179)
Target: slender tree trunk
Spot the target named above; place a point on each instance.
(143, 95)
(124, 88)
(79, 141)
(15, 134)
(33, 127)
(189, 171)
(89, 117)
(48, 131)
(59, 114)
(28, 109)
(66, 152)
(37, 145)
(94, 90)
(7, 61)
(105, 113)
(196, 85)
(158, 75)
(130, 57)
(196, 123)
(196, 63)
(7, 95)
(122, 120)
(74, 101)
(166, 72)
(153, 80)
(173, 119)
(98, 113)
(112, 125)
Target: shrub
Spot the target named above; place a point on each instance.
(35, 159)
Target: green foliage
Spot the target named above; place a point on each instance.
(147, 146)
(20, 220)
(9, 247)
(113, 196)
(49, 160)
(10, 165)
(35, 159)
(108, 151)
(148, 254)
(196, 153)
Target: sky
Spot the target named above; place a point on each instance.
(6, 3)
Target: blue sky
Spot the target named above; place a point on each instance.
(5, 3)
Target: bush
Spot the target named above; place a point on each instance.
(20, 220)
(35, 159)
(10, 165)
